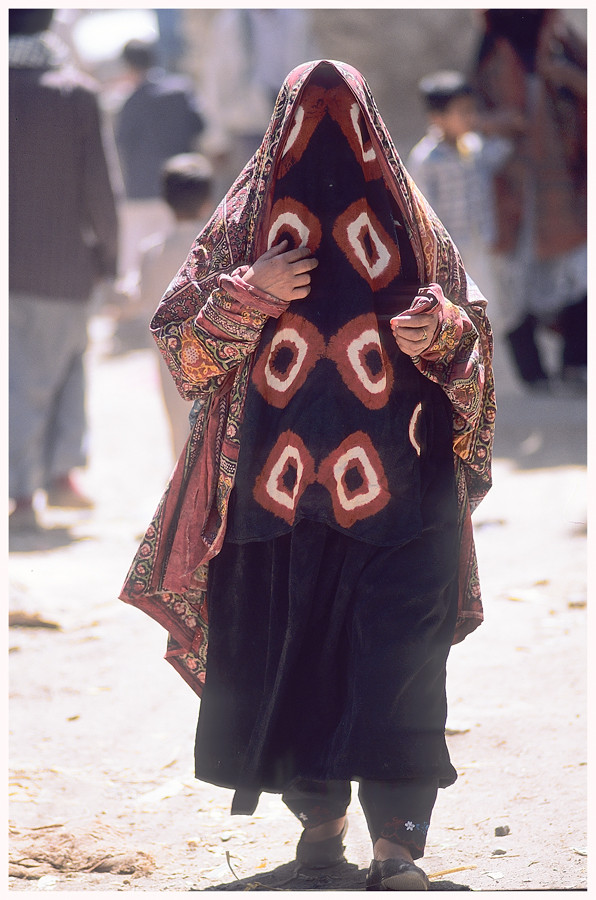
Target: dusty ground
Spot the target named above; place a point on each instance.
(102, 796)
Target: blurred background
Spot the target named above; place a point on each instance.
(393, 48)
(234, 60)
(98, 720)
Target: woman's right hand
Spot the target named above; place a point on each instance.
(283, 273)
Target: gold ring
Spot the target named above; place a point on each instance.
(424, 335)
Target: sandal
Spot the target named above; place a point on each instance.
(396, 875)
(322, 854)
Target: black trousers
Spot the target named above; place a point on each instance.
(525, 351)
(398, 811)
(571, 324)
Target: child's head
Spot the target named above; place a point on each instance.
(140, 56)
(187, 182)
(450, 103)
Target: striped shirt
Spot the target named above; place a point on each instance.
(456, 179)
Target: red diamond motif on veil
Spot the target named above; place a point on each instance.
(356, 132)
(309, 113)
(294, 221)
(362, 361)
(285, 476)
(354, 476)
(366, 245)
(283, 365)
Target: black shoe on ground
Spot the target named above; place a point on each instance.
(396, 875)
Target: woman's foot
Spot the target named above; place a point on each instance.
(323, 845)
(324, 831)
(385, 849)
(393, 869)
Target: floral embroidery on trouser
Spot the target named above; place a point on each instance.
(400, 811)
(413, 799)
(317, 802)
(407, 833)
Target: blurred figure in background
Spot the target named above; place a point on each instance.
(531, 65)
(170, 44)
(63, 240)
(453, 165)
(251, 52)
(159, 119)
(187, 188)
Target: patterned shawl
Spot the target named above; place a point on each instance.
(208, 326)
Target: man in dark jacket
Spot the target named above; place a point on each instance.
(160, 118)
(63, 239)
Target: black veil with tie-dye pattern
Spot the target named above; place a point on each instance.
(337, 419)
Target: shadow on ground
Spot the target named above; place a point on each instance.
(289, 877)
(37, 542)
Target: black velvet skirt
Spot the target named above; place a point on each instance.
(327, 658)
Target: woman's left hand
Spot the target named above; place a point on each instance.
(414, 333)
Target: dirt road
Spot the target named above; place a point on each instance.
(102, 795)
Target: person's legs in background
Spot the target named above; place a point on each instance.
(66, 435)
(46, 399)
(526, 354)
(572, 325)
(30, 388)
(139, 221)
(516, 326)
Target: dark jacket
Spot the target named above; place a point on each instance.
(63, 226)
(160, 119)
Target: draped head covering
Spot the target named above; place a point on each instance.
(329, 427)
(326, 176)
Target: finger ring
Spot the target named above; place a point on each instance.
(424, 335)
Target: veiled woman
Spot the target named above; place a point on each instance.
(312, 557)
